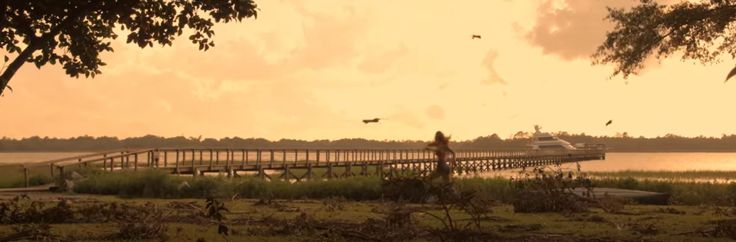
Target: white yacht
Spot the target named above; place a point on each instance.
(542, 141)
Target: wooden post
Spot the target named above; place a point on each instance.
(135, 162)
(328, 173)
(317, 159)
(296, 156)
(261, 173)
(348, 169)
(177, 162)
(217, 157)
(61, 172)
(309, 172)
(283, 157)
(227, 159)
(104, 163)
(245, 159)
(25, 175)
(379, 169)
(270, 163)
(194, 170)
(156, 158)
(286, 173)
(258, 157)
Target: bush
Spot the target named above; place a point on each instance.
(543, 190)
(405, 189)
(142, 223)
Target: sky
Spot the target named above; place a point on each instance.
(314, 69)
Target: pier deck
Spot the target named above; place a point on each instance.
(331, 163)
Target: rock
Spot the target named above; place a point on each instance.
(68, 185)
(431, 199)
(76, 176)
(183, 185)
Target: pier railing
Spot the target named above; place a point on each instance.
(197, 161)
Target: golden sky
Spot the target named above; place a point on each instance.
(314, 69)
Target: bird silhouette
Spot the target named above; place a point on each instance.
(609, 122)
(730, 74)
(476, 36)
(375, 120)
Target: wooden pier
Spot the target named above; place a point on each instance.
(301, 164)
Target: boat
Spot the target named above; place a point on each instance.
(542, 142)
(637, 196)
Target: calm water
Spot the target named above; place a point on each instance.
(614, 161)
(663, 161)
(32, 157)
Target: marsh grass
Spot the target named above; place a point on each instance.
(12, 176)
(683, 192)
(698, 175)
(156, 184)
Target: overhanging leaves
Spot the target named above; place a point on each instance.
(73, 33)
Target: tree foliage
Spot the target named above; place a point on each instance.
(669, 142)
(73, 33)
(701, 31)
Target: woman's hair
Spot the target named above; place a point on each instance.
(440, 138)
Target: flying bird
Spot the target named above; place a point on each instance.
(375, 120)
(731, 74)
(476, 36)
(609, 122)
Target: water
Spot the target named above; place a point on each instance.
(675, 161)
(34, 157)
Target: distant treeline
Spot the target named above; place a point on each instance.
(622, 143)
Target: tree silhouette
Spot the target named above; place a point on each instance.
(74, 32)
(701, 31)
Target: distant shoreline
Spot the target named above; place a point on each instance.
(274, 148)
(670, 143)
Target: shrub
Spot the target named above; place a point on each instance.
(543, 190)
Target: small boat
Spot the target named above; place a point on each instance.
(639, 197)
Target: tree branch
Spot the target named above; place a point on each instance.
(36, 42)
